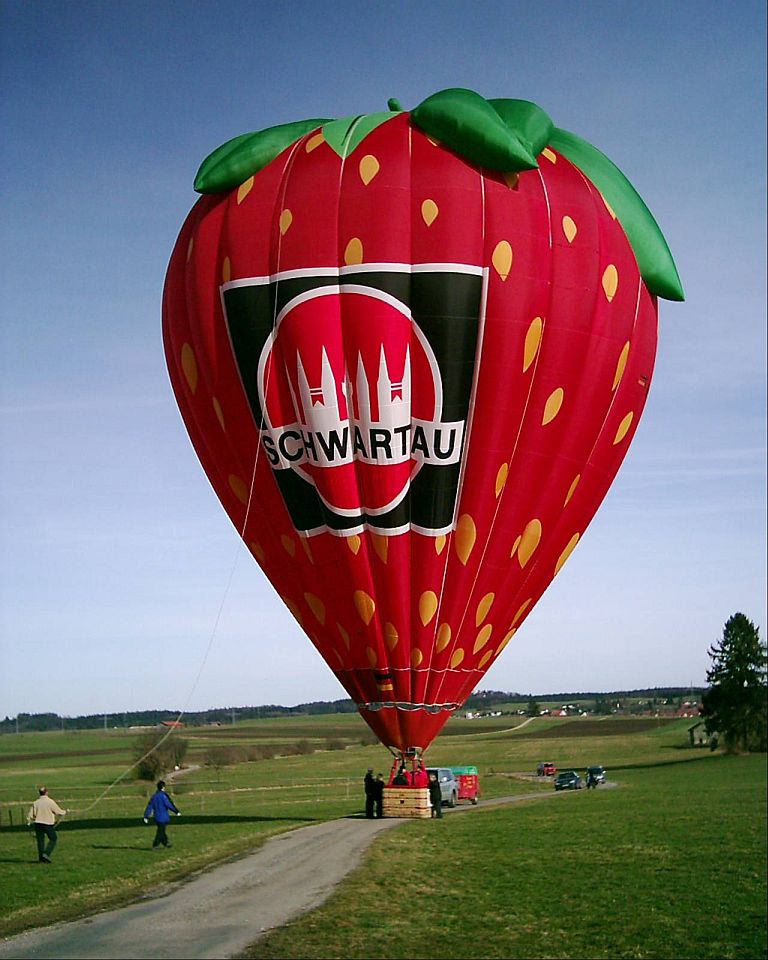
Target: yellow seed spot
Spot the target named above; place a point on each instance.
(189, 366)
(569, 229)
(572, 488)
(289, 545)
(369, 167)
(608, 207)
(306, 548)
(515, 545)
(532, 341)
(483, 607)
(512, 180)
(502, 258)
(610, 281)
(485, 658)
(440, 544)
(566, 553)
(435, 143)
(529, 542)
(353, 252)
(190, 248)
(466, 534)
(443, 637)
(505, 641)
(219, 413)
(391, 635)
(456, 657)
(317, 607)
(429, 212)
(520, 612)
(258, 551)
(344, 635)
(482, 638)
(552, 157)
(338, 656)
(353, 543)
(501, 478)
(238, 487)
(314, 142)
(293, 608)
(621, 365)
(427, 606)
(552, 406)
(244, 189)
(380, 545)
(623, 428)
(226, 270)
(416, 658)
(365, 606)
(286, 219)
(372, 657)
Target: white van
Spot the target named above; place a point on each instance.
(449, 787)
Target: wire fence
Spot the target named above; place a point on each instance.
(196, 797)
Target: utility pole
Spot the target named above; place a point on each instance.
(233, 718)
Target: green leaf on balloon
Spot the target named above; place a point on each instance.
(653, 256)
(346, 134)
(236, 160)
(467, 123)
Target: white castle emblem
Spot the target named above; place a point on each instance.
(373, 427)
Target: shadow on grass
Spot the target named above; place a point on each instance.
(120, 823)
(677, 761)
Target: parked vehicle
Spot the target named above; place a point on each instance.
(568, 780)
(595, 775)
(546, 769)
(449, 787)
(469, 783)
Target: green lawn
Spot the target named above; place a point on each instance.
(670, 864)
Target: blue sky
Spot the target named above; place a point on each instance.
(118, 569)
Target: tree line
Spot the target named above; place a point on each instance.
(481, 699)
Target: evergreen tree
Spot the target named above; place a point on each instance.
(736, 704)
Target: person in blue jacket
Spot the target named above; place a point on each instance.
(160, 807)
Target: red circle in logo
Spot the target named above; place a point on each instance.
(345, 379)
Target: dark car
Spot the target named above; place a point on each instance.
(595, 775)
(568, 780)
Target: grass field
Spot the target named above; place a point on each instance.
(670, 864)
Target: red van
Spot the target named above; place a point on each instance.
(469, 783)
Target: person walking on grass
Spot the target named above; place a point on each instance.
(43, 813)
(160, 807)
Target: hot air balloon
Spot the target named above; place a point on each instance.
(411, 350)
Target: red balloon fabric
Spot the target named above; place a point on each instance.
(411, 382)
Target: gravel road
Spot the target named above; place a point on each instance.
(219, 912)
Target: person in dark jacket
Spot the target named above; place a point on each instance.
(435, 796)
(160, 807)
(378, 796)
(370, 793)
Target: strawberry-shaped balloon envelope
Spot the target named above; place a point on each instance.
(411, 350)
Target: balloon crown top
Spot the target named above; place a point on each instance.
(498, 134)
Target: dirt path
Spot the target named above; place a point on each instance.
(218, 913)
